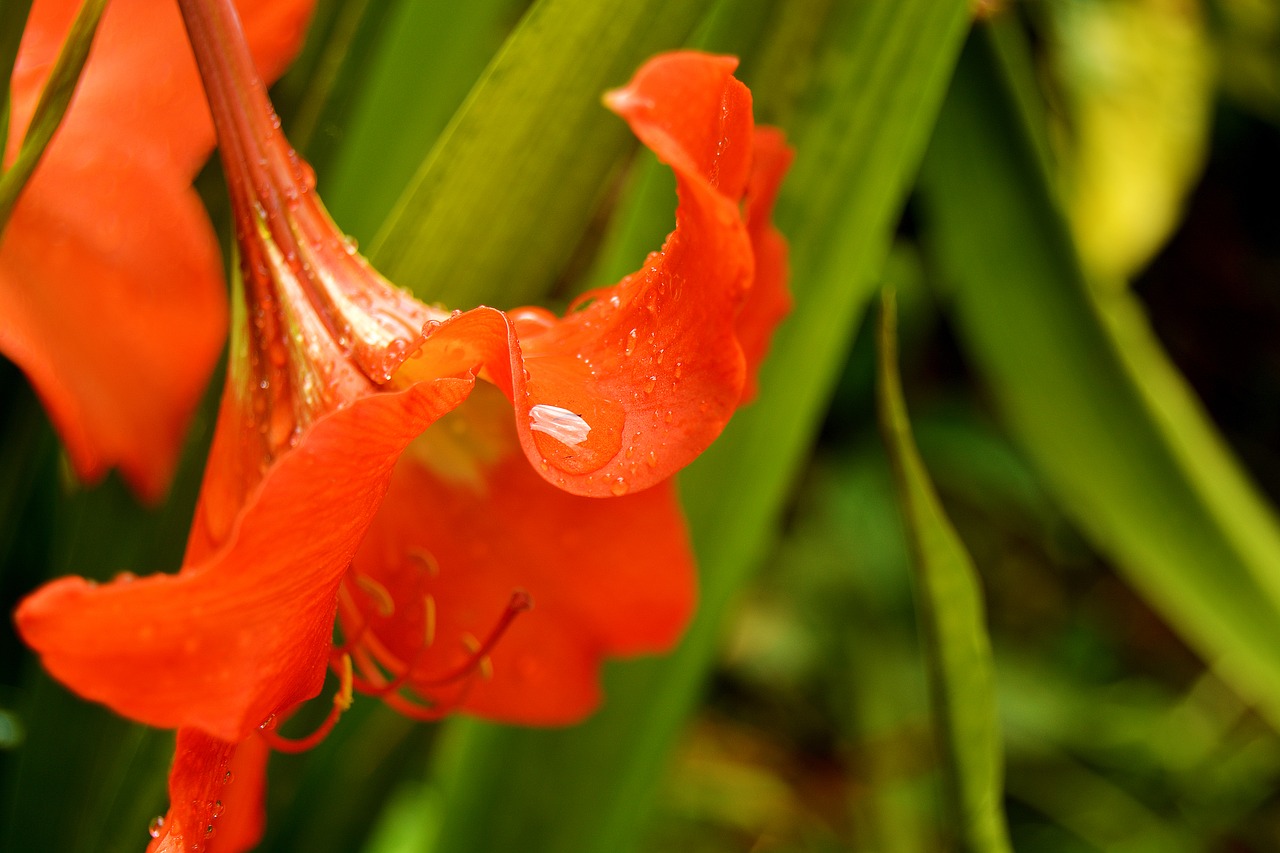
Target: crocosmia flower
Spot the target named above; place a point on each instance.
(452, 510)
(111, 287)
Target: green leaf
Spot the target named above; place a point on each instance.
(1087, 390)
(319, 93)
(878, 76)
(961, 677)
(505, 196)
(52, 104)
(13, 20)
(415, 76)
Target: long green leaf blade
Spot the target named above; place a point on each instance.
(505, 196)
(887, 63)
(1089, 393)
(958, 651)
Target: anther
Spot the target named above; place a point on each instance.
(381, 597)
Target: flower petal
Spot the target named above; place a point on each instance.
(246, 633)
(110, 279)
(216, 794)
(769, 300)
(465, 523)
(652, 367)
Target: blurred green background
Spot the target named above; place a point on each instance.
(1074, 202)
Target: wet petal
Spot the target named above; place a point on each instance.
(217, 792)
(653, 366)
(245, 634)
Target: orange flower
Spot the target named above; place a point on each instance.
(111, 287)
(332, 493)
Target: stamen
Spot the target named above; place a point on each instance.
(429, 620)
(341, 702)
(381, 597)
(382, 674)
(520, 603)
(426, 559)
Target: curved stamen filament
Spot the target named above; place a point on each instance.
(341, 702)
(383, 674)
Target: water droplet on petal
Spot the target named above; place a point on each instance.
(268, 724)
(631, 343)
(156, 826)
(619, 487)
(653, 459)
(216, 811)
(563, 425)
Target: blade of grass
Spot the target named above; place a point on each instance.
(505, 195)
(956, 646)
(886, 63)
(52, 105)
(1088, 392)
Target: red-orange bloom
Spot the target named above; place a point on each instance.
(332, 493)
(110, 284)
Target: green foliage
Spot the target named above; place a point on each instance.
(961, 678)
(466, 147)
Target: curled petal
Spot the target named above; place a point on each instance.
(246, 633)
(652, 366)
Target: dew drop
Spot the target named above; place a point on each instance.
(216, 811)
(667, 417)
(227, 778)
(268, 724)
(679, 365)
(619, 487)
(631, 343)
(156, 826)
(653, 382)
(630, 452)
(653, 459)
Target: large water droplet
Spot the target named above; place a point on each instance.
(619, 487)
(156, 826)
(563, 425)
(631, 343)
